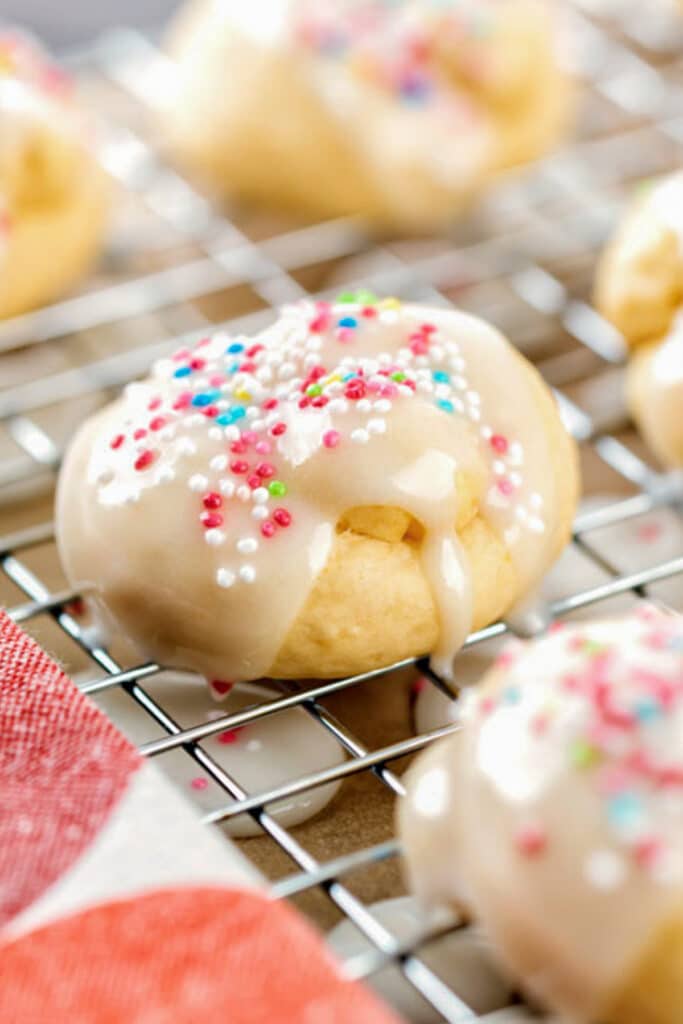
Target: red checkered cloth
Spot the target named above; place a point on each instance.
(116, 905)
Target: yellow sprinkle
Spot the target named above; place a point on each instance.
(390, 303)
(243, 396)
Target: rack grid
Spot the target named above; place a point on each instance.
(176, 267)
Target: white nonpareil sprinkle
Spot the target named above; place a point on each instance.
(259, 496)
(214, 538)
(226, 487)
(243, 492)
(259, 512)
(605, 870)
(198, 482)
(219, 463)
(377, 426)
(360, 436)
(247, 573)
(225, 578)
(247, 545)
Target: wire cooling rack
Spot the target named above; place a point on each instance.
(523, 259)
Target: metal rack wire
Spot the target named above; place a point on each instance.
(524, 259)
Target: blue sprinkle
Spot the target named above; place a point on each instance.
(349, 376)
(441, 376)
(512, 695)
(234, 368)
(235, 347)
(205, 398)
(647, 709)
(624, 810)
(182, 371)
(226, 419)
(444, 404)
(348, 321)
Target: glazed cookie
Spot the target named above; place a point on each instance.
(53, 194)
(359, 483)
(397, 112)
(556, 815)
(640, 290)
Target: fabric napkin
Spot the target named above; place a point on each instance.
(116, 905)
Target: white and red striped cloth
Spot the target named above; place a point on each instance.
(116, 905)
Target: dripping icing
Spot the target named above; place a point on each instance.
(337, 406)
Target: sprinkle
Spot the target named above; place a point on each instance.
(446, 405)
(212, 500)
(145, 459)
(531, 840)
(221, 686)
(265, 470)
(198, 482)
(211, 520)
(268, 528)
(199, 783)
(214, 538)
(219, 463)
(247, 545)
(277, 489)
(331, 438)
(225, 578)
(239, 466)
(139, 434)
(360, 436)
(117, 441)
(282, 517)
(229, 736)
(247, 574)
(605, 870)
(499, 444)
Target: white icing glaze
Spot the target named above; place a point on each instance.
(660, 414)
(259, 756)
(409, 397)
(556, 813)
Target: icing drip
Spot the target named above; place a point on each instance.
(661, 415)
(558, 812)
(250, 452)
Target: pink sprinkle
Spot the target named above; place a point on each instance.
(117, 441)
(499, 444)
(180, 355)
(647, 851)
(203, 343)
(221, 686)
(270, 403)
(263, 447)
(487, 705)
(649, 532)
(216, 380)
(254, 350)
(157, 423)
(557, 627)
(345, 335)
(540, 724)
(268, 528)
(265, 470)
(278, 429)
(229, 736)
(199, 783)
(239, 466)
(238, 447)
(282, 517)
(531, 840)
(197, 363)
(139, 434)
(506, 487)
(320, 322)
(248, 436)
(211, 520)
(418, 686)
(254, 481)
(212, 500)
(154, 404)
(145, 459)
(369, 312)
(211, 411)
(183, 400)
(331, 438)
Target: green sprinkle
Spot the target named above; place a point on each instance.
(347, 297)
(277, 489)
(398, 376)
(584, 755)
(314, 390)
